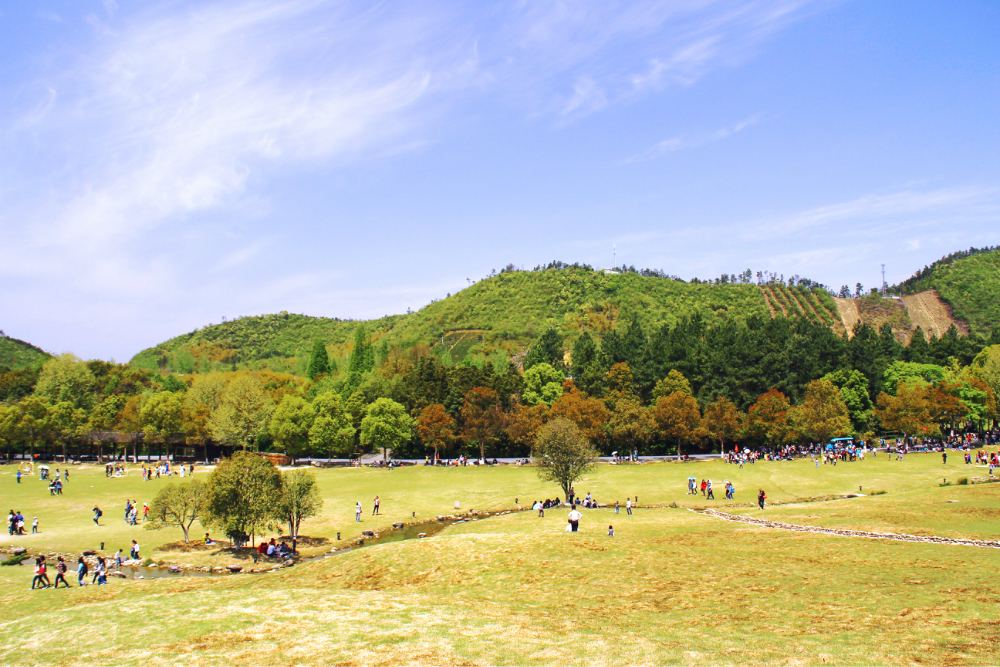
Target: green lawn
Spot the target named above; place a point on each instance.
(672, 586)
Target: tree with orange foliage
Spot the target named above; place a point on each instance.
(722, 421)
(943, 404)
(524, 421)
(630, 424)
(768, 416)
(678, 417)
(589, 414)
(436, 428)
(482, 417)
(907, 412)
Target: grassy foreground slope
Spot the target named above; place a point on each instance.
(969, 282)
(16, 354)
(672, 586)
(506, 311)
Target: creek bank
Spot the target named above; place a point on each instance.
(146, 569)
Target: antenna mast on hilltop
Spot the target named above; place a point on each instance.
(883, 280)
(614, 252)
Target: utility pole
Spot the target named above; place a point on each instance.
(614, 252)
(883, 280)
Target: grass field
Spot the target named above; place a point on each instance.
(672, 586)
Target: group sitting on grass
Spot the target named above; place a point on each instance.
(273, 549)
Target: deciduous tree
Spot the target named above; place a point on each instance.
(542, 384)
(244, 495)
(243, 412)
(678, 418)
(563, 454)
(767, 417)
(824, 413)
(722, 421)
(436, 428)
(300, 499)
(332, 430)
(482, 418)
(178, 505)
(674, 382)
(67, 378)
(386, 425)
(588, 413)
(290, 424)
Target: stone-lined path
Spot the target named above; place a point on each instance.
(991, 544)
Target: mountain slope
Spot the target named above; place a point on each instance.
(507, 312)
(16, 353)
(968, 281)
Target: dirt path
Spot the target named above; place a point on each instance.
(991, 544)
(931, 313)
(848, 311)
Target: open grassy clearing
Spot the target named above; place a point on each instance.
(66, 521)
(671, 586)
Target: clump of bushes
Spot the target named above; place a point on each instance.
(877, 492)
(15, 559)
(962, 481)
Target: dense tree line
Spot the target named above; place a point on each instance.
(670, 389)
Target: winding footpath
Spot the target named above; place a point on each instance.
(899, 537)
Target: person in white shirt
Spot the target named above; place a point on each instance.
(574, 520)
(628, 506)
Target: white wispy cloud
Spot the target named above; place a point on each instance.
(683, 141)
(576, 58)
(903, 210)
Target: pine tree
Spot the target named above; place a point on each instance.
(918, 351)
(584, 353)
(319, 361)
(363, 356)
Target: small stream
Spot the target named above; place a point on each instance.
(408, 532)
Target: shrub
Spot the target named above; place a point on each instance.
(877, 492)
(15, 559)
(962, 481)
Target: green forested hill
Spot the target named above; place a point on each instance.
(506, 311)
(968, 281)
(281, 342)
(16, 353)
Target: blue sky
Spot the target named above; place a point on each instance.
(166, 164)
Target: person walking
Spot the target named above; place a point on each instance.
(118, 559)
(357, 512)
(81, 572)
(617, 505)
(18, 476)
(375, 508)
(101, 572)
(628, 506)
(711, 493)
(97, 515)
(34, 525)
(944, 457)
(145, 511)
(761, 497)
(61, 573)
(704, 487)
(574, 519)
(39, 577)
(134, 551)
